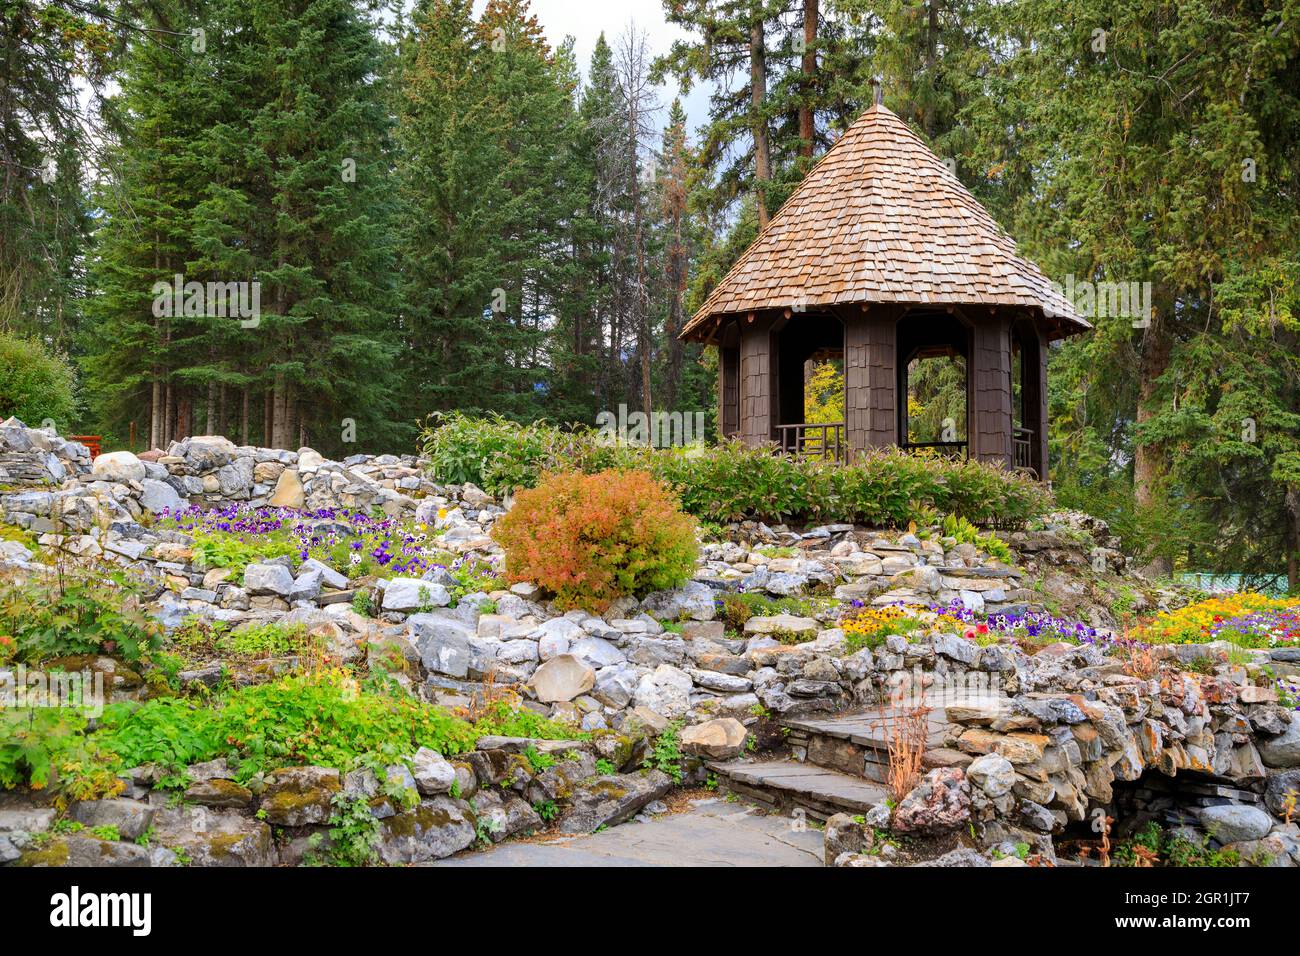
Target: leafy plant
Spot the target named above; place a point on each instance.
(593, 538)
(733, 481)
(666, 755)
(76, 612)
(537, 760)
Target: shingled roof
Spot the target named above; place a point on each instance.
(881, 219)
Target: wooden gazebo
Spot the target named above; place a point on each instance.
(881, 258)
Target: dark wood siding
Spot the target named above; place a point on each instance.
(990, 378)
(870, 345)
(757, 386)
(729, 382)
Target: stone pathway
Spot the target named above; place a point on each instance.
(712, 832)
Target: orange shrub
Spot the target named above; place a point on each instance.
(593, 538)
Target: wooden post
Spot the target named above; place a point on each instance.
(990, 377)
(757, 380)
(870, 403)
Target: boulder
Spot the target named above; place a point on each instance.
(1235, 822)
(1283, 789)
(992, 773)
(158, 496)
(413, 594)
(83, 850)
(329, 577)
(665, 691)
(562, 678)
(268, 579)
(443, 643)
(1283, 751)
(435, 829)
(219, 794)
(596, 652)
(609, 800)
(288, 491)
(556, 635)
(118, 466)
(298, 796)
(781, 624)
(692, 600)
(940, 802)
(719, 739)
(215, 837)
(131, 818)
(501, 816)
(433, 773)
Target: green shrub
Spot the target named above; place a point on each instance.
(733, 481)
(593, 538)
(35, 383)
(76, 613)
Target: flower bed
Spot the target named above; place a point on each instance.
(352, 542)
(1245, 618)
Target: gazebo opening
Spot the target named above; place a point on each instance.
(810, 417)
(933, 379)
(1028, 399)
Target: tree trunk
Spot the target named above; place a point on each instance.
(758, 123)
(1293, 539)
(156, 411)
(243, 418)
(210, 411)
(1149, 457)
(808, 67)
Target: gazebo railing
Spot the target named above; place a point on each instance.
(823, 440)
(1022, 445)
(944, 449)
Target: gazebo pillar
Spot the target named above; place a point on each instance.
(991, 420)
(870, 374)
(758, 386)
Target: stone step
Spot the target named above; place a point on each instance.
(856, 744)
(786, 785)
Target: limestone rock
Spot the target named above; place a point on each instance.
(268, 579)
(131, 818)
(940, 802)
(606, 801)
(719, 739)
(562, 678)
(1235, 823)
(993, 774)
(665, 691)
(433, 773)
(413, 594)
(297, 796)
(215, 837)
(158, 496)
(288, 491)
(118, 466)
(1282, 751)
(435, 829)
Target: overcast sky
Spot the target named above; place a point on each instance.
(585, 20)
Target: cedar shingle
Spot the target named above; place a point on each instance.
(880, 219)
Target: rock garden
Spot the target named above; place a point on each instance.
(215, 655)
